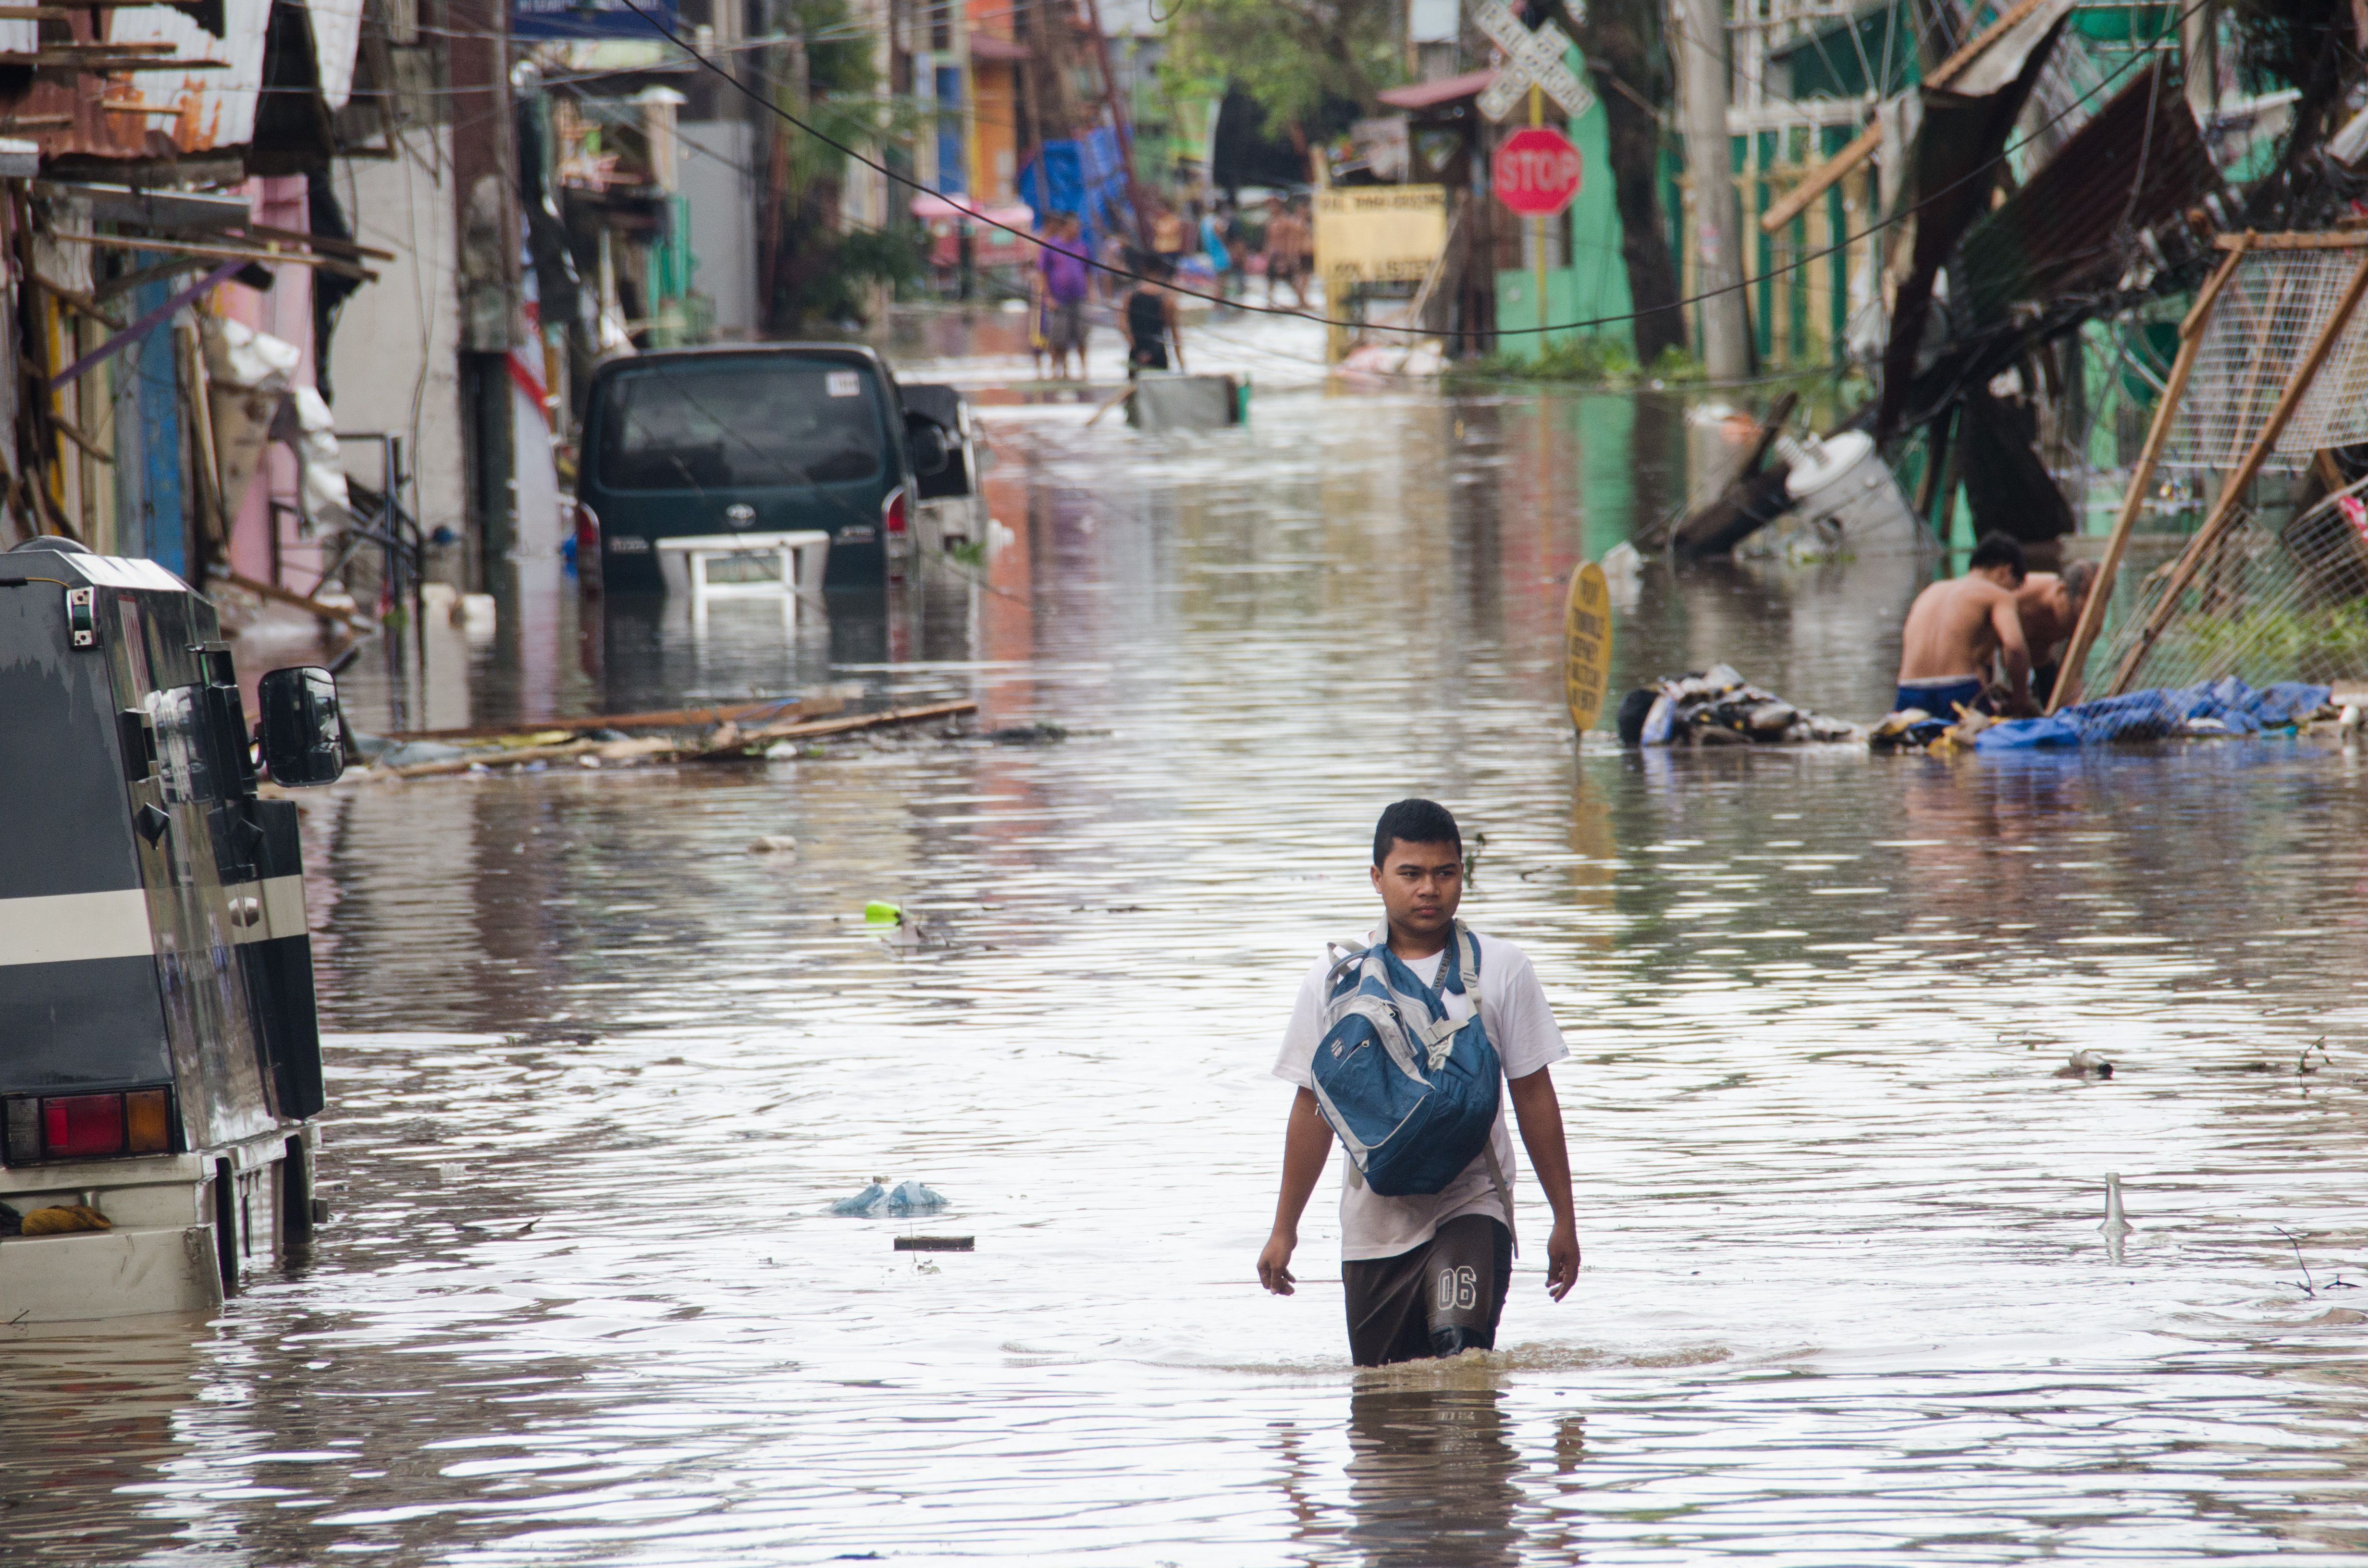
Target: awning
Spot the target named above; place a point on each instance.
(932, 208)
(1429, 95)
(987, 46)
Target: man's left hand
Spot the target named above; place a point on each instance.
(1562, 1260)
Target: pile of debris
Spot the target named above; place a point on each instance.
(2206, 710)
(773, 727)
(2211, 708)
(1716, 708)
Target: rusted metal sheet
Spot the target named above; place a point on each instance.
(1957, 148)
(2140, 161)
(199, 110)
(175, 111)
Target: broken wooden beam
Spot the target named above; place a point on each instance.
(1823, 178)
(662, 718)
(799, 731)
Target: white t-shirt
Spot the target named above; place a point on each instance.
(1521, 1027)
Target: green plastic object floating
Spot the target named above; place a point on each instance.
(879, 911)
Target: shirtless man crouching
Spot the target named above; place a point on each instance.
(1956, 628)
(2050, 608)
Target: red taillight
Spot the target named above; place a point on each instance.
(85, 1127)
(82, 1126)
(587, 549)
(893, 513)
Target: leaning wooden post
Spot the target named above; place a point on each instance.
(2092, 610)
(2231, 502)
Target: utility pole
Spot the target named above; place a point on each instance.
(1122, 125)
(486, 209)
(1698, 36)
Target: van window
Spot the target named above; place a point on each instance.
(739, 423)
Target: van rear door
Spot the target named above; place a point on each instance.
(764, 442)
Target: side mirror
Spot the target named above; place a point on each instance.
(926, 439)
(302, 740)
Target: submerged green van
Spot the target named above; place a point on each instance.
(750, 438)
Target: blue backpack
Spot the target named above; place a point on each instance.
(1411, 1094)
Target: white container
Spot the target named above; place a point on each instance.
(1178, 402)
(1846, 482)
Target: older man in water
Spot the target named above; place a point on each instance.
(2049, 605)
(1955, 629)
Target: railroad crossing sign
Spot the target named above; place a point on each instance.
(1532, 60)
(1535, 171)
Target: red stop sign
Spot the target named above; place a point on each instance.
(1535, 171)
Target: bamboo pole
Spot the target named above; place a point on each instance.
(2223, 512)
(2334, 239)
(2092, 608)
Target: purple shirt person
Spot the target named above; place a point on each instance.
(1061, 263)
(1066, 277)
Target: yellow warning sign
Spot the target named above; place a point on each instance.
(1586, 644)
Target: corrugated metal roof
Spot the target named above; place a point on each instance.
(2070, 228)
(169, 111)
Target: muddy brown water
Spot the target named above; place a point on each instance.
(597, 1070)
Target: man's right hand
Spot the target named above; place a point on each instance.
(1274, 1263)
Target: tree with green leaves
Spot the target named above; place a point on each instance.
(812, 267)
(1628, 60)
(1292, 57)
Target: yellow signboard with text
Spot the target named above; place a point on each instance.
(1376, 233)
(1587, 644)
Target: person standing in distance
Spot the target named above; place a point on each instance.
(1427, 1274)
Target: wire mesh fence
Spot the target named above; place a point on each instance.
(2267, 604)
(2271, 311)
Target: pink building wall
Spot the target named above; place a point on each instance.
(286, 313)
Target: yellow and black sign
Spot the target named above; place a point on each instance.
(1586, 644)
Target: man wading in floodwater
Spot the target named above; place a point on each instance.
(1426, 1272)
(1954, 630)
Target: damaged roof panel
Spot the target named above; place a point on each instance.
(2139, 162)
(205, 111)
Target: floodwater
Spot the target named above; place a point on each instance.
(597, 1071)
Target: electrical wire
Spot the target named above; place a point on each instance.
(664, 31)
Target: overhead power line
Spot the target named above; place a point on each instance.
(905, 179)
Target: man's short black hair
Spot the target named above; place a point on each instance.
(1997, 550)
(1416, 821)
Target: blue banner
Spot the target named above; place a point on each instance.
(589, 18)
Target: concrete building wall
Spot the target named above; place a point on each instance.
(719, 188)
(395, 359)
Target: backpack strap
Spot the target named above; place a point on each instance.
(1467, 941)
(1504, 1189)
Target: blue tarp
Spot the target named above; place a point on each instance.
(1085, 177)
(2236, 707)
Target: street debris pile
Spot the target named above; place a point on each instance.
(2206, 710)
(880, 1199)
(2227, 707)
(772, 728)
(2083, 271)
(1717, 707)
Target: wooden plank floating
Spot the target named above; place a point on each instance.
(728, 743)
(936, 1243)
(798, 732)
(665, 718)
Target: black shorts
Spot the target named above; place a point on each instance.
(1444, 1296)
